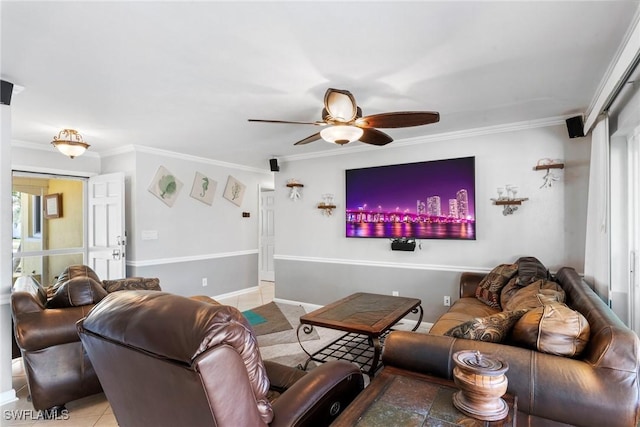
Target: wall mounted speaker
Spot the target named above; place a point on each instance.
(6, 90)
(273, 163)
(575, 127)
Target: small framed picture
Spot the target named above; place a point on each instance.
(234, 191)
(165, 186)
(53, 205)
(203, 188)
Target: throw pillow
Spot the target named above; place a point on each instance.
(494, 328)
(488, 290)
(132, 284)
(534, 295)
(530, 269)
(76, 292)
(553, 328)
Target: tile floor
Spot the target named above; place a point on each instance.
(94, 411)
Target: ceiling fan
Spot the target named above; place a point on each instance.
(343, 122)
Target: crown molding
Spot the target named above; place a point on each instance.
(622, 65)
(188, 157)
(446, 136)
(16, 143)
(144, 149)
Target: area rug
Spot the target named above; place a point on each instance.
(275, 324)
(277, 338)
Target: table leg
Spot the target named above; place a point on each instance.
(307, 330)
(377, 350)
(416, 310)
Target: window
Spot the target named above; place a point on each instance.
(36, 216)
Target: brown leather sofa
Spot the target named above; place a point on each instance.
(56, 365)
(599, 387)
(167, 360)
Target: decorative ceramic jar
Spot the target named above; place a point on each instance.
(482, 383)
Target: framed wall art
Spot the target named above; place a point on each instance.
(165, 186)
(203, 188)
(423, 200)
(234, 191)
(53, 206)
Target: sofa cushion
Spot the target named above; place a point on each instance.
(72, 271)
(553, 328)
(76, 292)
(534, 295)
(530, 269)
(488, 290)
(494, 328)
(132, 284)
(462, 310)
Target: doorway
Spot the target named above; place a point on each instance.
(267, 235)
(48, 225)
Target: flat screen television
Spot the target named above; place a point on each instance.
(424, 200)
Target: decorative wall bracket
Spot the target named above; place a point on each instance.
(327, 209)
(548, 165)
(510, 205)
(327, 205)
(295, 188)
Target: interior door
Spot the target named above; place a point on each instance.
(267, 235)
(106, 226)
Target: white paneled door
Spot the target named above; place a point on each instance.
(106, 226)
(267, 235)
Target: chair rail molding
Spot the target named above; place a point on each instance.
(384, 264)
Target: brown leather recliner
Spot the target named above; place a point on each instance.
(167, 360)
(56, 365)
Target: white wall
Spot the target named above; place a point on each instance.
(194, 240)
(549, 226)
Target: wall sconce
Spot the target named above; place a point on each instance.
(69, 142)
(295, 187)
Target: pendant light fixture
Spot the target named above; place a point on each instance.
(69, 142)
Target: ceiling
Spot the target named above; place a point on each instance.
(185, 76)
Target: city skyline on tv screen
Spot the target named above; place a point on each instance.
(424, 200)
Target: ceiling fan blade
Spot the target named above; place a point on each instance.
(401, 119)
(340, 105)
(288, 122)
(374, 137)
(314, 137)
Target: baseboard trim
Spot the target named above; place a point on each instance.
(307, 306)
(238, 293)
(8, 397)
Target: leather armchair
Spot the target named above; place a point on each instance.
(44, 323)
(55, 364)
(167, 360)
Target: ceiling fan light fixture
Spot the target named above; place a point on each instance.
(340, 105)
(69, 142)
(341, 134)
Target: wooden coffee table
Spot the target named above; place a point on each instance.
(367, 319)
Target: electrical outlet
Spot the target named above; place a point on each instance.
(447, 301)
(204, 281)
(395, 293)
